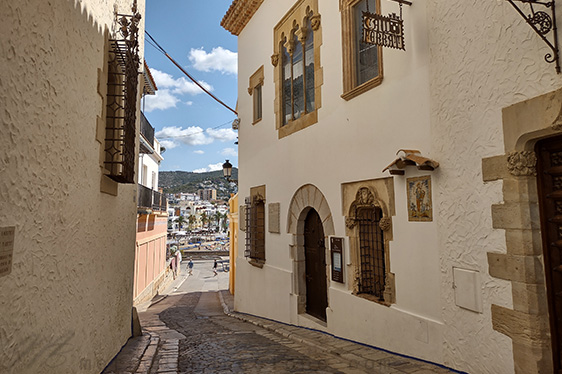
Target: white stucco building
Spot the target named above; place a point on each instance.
(441, 260)
(68, 159)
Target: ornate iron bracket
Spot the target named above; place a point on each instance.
(542, 23)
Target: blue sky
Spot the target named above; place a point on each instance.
(195, 129)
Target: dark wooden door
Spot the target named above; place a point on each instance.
(315, 259)
(549, 179)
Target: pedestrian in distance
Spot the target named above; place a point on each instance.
(190, 267)
(215, 268)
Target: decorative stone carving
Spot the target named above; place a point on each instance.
(385, 223)
(275, 59)
(315, 22)
(522, 163)
(350, 222)
(364, 197)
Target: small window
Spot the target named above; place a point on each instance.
(257, 104)
(255, 226)
(362, 64)
(255, 89)
(371, 247)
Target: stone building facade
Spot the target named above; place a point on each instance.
(400, 204)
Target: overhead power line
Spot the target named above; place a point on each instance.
(163, 51)
(194, 133)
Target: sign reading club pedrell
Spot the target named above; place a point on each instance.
(385, 31)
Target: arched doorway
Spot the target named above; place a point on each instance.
(315, 266)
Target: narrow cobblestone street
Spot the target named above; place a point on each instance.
(192, 330)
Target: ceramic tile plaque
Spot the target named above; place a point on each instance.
(7, 235)
(420, 207)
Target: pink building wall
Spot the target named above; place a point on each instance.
(150, 251)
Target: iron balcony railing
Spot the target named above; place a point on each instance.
(149, 199)
(147, 131)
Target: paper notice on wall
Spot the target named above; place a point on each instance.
(7, 235)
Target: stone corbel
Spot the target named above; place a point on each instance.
(522, 163)
(385, 223)
(275, 59)
(350, 222)
(315, 22)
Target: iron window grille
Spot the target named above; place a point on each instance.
(371, 252)
(122, 86)
(255, 228)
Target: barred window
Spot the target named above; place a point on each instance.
(255, 228)
(122, 86)
(371, 252)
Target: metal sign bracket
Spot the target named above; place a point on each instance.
(542, 23)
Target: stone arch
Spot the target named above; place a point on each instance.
(527, 324)
(306, 198)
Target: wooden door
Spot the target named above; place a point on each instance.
(315, 259)
(549, 179)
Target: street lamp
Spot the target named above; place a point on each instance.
(227, 171)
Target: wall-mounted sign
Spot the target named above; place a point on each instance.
(336, 249)
(385, 31)
(7, 235)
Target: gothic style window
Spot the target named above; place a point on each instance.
(297, 68)
(362, 63)
(369, 226)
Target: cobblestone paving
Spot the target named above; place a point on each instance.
(216, 343)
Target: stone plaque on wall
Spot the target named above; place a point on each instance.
(274, 218)
(7, 235)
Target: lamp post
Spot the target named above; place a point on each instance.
(227, 172)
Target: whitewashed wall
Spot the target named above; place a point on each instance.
(465, 61)
(66, 306)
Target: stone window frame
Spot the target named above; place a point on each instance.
(377, 193)
(350, 89)
(256, 82)
(296, 16)
(527, 323)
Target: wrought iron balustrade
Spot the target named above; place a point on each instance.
(147, 198)
(147, 131)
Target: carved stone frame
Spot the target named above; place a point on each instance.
(376, 193)
(527, 324)
(296, 16)
(306, 198)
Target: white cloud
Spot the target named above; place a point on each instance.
(199, 152)
(219, 59)
(223, 135)
(169, 89)
(211, 167)
(229, 152)
(162, 100)
(189, 103)
(193, 135)
(184, 86)
(168, 144)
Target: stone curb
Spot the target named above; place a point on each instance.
(354, 354)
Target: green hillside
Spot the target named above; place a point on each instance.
(189, 182)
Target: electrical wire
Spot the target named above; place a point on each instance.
(162, 50)
(194, 133)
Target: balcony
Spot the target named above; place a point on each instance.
(147, 136)
(148, 199)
